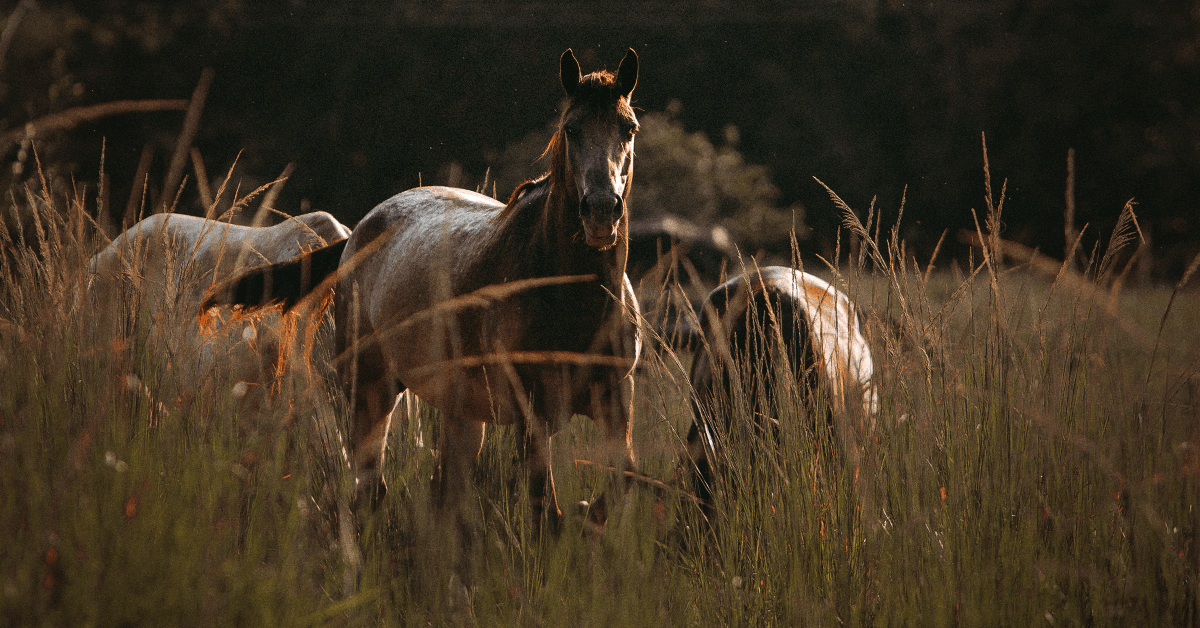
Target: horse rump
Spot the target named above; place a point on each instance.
(777, 345)
(285, 283)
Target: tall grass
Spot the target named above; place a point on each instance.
(127, 499)
(1034, 462)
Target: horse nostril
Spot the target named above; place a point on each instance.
(600, 207)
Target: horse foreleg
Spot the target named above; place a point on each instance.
(536, 453)
(458, 447)
(613, 414)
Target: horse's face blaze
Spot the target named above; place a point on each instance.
(599, 126)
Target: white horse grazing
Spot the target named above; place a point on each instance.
(750, 323)
(157, 272)
(184, 255)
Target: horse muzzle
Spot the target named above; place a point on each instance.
(601, 218)
(599, 236)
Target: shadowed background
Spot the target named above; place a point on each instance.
(370, 98)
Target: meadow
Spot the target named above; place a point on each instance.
(1034, 462)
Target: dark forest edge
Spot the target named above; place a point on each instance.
(870, 97)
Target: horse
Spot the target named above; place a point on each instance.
(159, 269)
(506, 313)
(765, 324)
(190, 253)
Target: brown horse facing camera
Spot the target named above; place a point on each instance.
(513, 314)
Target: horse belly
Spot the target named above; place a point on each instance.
(477, 394)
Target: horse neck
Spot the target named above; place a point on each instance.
(543, 226)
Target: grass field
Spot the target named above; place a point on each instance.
(1035, 462)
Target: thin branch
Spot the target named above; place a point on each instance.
(10, 29)
(76, 116)
(191, 123)
(272, 195)
(655, 482)
(206, 197)
(137, 193)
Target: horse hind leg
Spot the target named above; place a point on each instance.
(458, 526)
(458, 448)
(697, 465)
(373, 394)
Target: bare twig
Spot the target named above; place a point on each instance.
(10, 29)
(191, 123)
(206, 197)
(645, 479)
(1062, 273)
(137, 194)
(75, 116)
(272, 195)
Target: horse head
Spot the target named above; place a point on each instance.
(595, 145)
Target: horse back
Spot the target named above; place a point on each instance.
(451, 278)
(420, 247)
(842, 352)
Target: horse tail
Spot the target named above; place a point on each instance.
(285, 283)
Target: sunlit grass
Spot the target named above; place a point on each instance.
(1034, 461)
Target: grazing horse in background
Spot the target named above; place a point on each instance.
(186, 254)
(759, 323)
(516, 313)
(159, 269)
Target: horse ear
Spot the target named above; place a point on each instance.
(568, 72)
(627, 74)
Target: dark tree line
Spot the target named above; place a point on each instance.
(881, 98)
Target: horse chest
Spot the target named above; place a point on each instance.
(527, 351)
(565, 319)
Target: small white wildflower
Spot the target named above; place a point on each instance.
(132, 383)
(239, 470)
